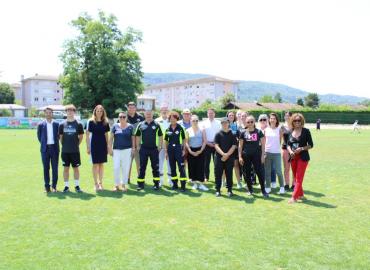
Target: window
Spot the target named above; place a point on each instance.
(197, 86)
(44, 99)
(36, 91)
(57, 91)
(36, 99)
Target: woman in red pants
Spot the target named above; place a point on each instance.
(299, 142)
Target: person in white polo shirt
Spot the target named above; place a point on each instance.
(164, 122)
(211, 126)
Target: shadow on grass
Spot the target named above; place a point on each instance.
(313, 193)
(82, 196)
(318, 204)
(110, 193)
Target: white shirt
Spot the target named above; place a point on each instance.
(272, 140)
(50, 134)
(163, 123)
(211, 128)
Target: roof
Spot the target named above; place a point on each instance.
(15, 85)
(192, 81)
(53, 107)
(42, 77)
(145, 97)
(249, 106)
(12, 107)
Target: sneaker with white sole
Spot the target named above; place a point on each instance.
(195, 186)
(203, 187)
(273, 184)
(282, 190)
(170, 183)
(268, 190)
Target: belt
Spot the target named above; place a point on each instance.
(50, 145)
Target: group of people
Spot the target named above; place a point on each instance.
(236, 143)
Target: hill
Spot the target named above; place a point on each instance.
(254, 90)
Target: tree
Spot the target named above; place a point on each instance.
(365, 102)
(226, 99)
(278, 98)
(312, 100)
(208, 103)
(101, 65)
(266, 99)
(6, 94)
(300, 102)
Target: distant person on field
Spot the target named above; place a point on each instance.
(356, 127)
(299, 142)
(174, 147)
(211, 126)
(286, 157)
(318, 124)
(122, 148)
(97, 143)
(149, 140)
(225, 145)
(164, 123)
(134, 119)
(196, 143)
(47, 134)
(71, 134)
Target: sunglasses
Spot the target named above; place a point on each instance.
(297, 120)
(250, 122)
(263, 120)
(194, 120)
(123, 116)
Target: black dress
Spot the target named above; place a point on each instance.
(98, 143)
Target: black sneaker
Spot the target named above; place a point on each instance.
(292, 188)
(230, 194)
(66, 190)
(266, 195)
(47, 190)
(155, 187)
(78, 190)
(286, 187)
(139, 188)
(182, 189)
(218, 194)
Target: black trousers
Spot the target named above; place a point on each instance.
(209, 152)
(175, 157)
(255, 160)
(50, 156)
(153, 155)
(227, 167)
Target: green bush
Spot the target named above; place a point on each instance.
(5, 113)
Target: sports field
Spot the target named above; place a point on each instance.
(195, 230)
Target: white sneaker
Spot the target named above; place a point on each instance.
(195, 186)
(282, 190)
(203, 187)
(239, 185)
(170, 183)
(268, 190)
(273, 184)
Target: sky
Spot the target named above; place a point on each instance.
(319, 46)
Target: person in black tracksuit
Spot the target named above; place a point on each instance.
(174, 139)
(149, 136)
(225, 145)
(252, 152)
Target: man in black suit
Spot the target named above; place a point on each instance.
(47, 134)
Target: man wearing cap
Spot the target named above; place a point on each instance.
(134, 119)
(225, 145)
(211, 126)
(149, 136)
(164, 124)
(185, 121)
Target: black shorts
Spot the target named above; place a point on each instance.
(71, 159)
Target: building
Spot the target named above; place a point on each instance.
(191, 93)
(250, 106)
(145, 102)
(17, 88)
(16, 110)
(41, 90)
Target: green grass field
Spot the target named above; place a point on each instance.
(196, 230)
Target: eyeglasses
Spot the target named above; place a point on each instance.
(123, 116)
(194, 120)
(70, 110)
(263, 120)
(250, 122)
(297, 120)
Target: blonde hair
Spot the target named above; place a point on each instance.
(291, 119)
(104, 118)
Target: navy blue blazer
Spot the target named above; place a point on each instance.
(42, 136)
